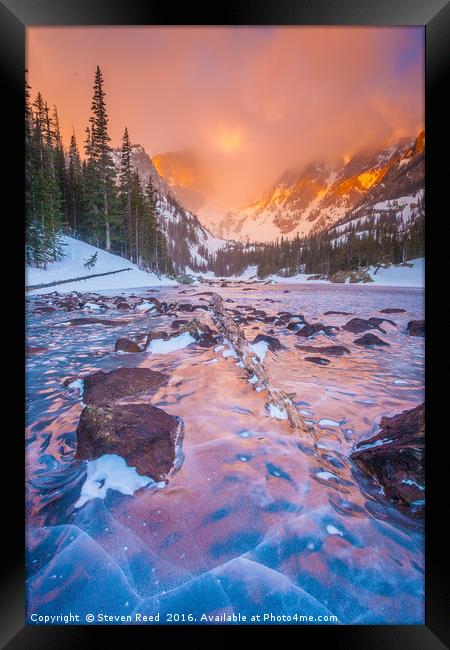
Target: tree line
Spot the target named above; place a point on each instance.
(384, 240)
(85, 197)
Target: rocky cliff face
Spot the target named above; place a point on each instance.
(186, 176)
(322, 194)
(189, 242)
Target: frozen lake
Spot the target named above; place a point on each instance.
(257, 520)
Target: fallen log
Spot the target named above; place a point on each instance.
(83, 277)
(278, 398)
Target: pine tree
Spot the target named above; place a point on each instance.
(44, 194)
(125, 189)
(74, 186)
(100, 153)
(60, 165)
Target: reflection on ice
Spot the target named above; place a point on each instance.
(257, 519)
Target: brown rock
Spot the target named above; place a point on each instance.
(273, 343)
(416, 328)
(102, 388)
(398, 462)
(368, 340)
(147, 437)
(357, 325)
(125, 345)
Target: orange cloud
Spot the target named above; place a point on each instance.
(249, 101)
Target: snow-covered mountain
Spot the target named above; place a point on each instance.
(189, 242)
(324, 194)
(400, 193)
(186, 176)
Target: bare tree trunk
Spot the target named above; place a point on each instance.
(106, 213)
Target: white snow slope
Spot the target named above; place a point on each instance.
(393, 276)
(72, 266)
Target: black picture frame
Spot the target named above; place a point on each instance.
(434, 15)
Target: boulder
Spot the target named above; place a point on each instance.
(416, 328)
(201, 332)
(103, 388)
(361, 275)
(178, 322)
(273, 343)
(147, 437)
(187, 307)
(395, 457)
(337, 313)
(186, 278)
(392, 310)
(125, 345)
(369, 340)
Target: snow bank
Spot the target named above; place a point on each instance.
(72, 266)
(401, 276)
(396, 276)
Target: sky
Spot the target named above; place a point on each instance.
(249, 102)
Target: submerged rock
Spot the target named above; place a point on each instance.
(273, 343)
(78, 322)
(393, 310)
(330, 350)
(369, 339)
(36, 350)
(395, 457)
(147, 437)
(126, 345)
(102, 388)
(310, 329)
(357, 325)
(416, 328)
(319, 361)
(337, 313)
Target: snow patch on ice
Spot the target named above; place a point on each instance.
(164, 346)
(110, 472)
(276, 412)
(260, 349)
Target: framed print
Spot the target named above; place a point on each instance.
(228, 268)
